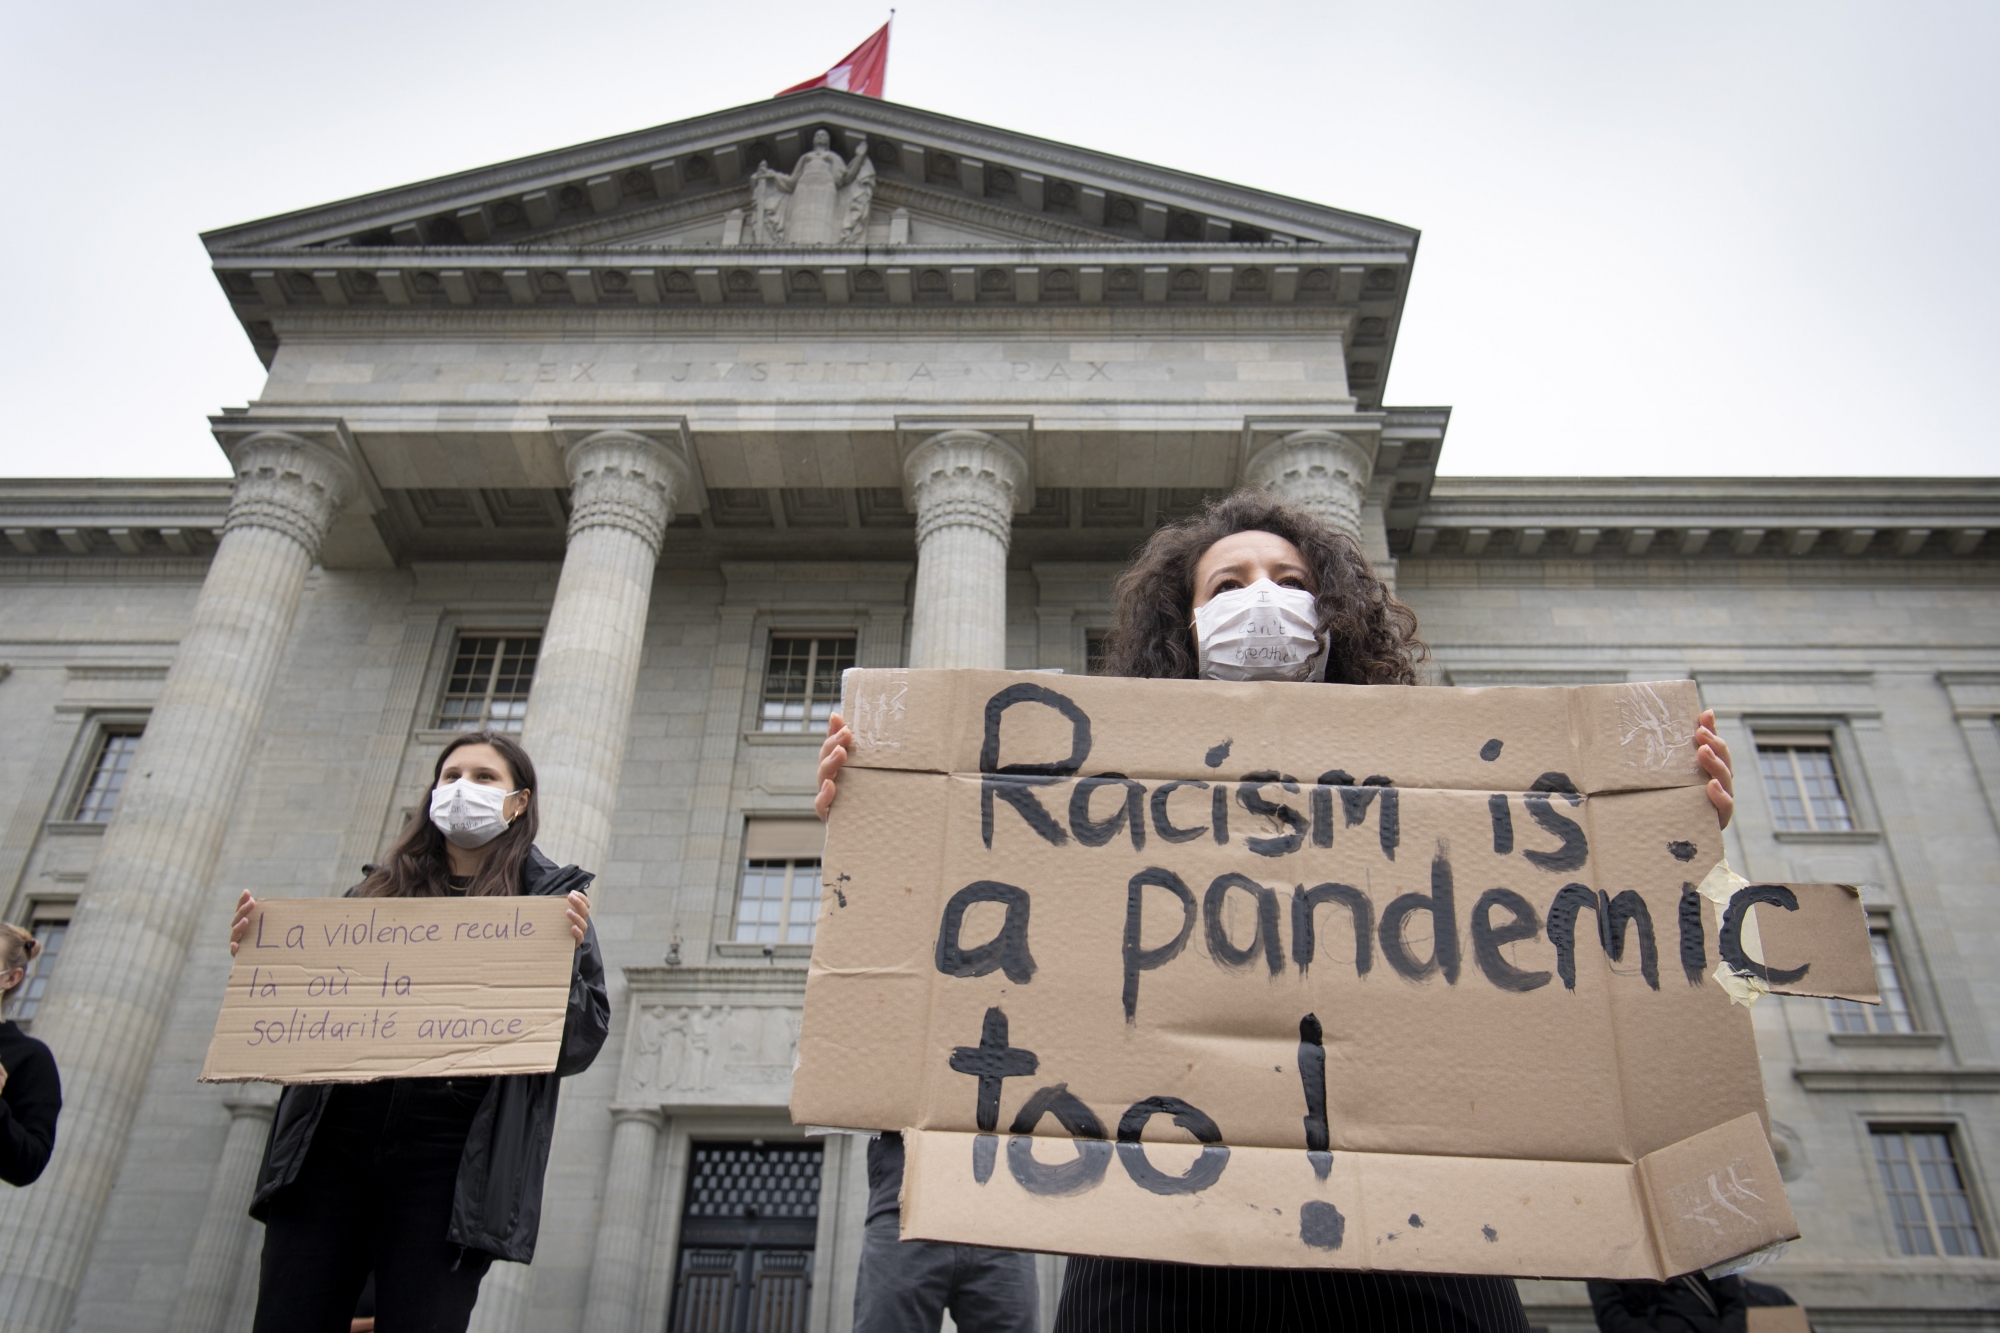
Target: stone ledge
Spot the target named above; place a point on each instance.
(1890, 1041)
(745, 949)
(1828, 837)
(1843, 1078)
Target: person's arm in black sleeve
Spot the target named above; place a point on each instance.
(1607, 1302)
(588, 1021)
(1732, 1306)
(28, 1113)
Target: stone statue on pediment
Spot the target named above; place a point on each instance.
(823, 201)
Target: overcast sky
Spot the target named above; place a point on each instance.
(1699, 238)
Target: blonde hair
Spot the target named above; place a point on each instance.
(18, 947)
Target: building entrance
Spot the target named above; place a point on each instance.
(747, 1233)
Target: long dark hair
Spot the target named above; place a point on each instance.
(418, 866)
(1373, 636)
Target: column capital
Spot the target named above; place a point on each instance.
(622, 479)
(1322, 470)
(251, 1102)
(964, 477)
(652, 1116)
(287, 483)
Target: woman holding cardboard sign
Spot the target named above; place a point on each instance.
(425, 1181)
(1253, 589)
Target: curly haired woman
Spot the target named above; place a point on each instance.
(1253, 588)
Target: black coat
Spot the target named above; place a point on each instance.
(29, 1106)
(498, 1204)
(1689, 1304)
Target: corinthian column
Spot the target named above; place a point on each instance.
(622, 492)
(209, 1285)
(107, 1001)
(964, 483)
(1322, 471)
(618, 1261)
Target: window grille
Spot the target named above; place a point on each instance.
(779, 903)
(1804, 785)
(1893, 1014)
(802, 681)
(487, 689)
(735, 1181)
(1929, 1204)
(99, 799)
(50, 924)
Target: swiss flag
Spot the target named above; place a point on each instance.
(863, 70)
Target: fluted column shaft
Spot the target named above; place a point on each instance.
(208, 1287)
(964, 483)
(617, 1263)
(108, 1000)
(622, 492)
(503, 1300)
(1321, 471)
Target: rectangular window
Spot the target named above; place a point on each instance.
(1093, 652)
(1893, 1014)
(780, 902)
(487, 689)
(802, 681)
(1929, 1203)
(99, 799)
(50, 924)
(1805, 789)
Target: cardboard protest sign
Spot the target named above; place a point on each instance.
(347, 990)
(1302, 975)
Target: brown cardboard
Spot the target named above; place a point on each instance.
(1828, 919)
(348, 990)
(975, 978)
(1778, 1319)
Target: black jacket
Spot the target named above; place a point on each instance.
(29, 1106)
(1688, 1304)
(498, 1204)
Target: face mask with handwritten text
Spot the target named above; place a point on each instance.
(1262, 632)
(469, 813)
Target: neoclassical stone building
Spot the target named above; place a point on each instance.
(634, 446)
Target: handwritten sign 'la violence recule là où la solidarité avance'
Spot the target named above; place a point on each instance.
(346, 990)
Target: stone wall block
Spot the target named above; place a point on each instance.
(106, 1004)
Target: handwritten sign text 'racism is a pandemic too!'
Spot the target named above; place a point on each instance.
(346, 990)
(1432, 980)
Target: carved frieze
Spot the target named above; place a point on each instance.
(711, 1036)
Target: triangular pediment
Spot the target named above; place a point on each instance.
(954, 183)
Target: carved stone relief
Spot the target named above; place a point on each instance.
(715, 1054)
(823, 201)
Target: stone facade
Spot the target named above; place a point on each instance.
(564, 397)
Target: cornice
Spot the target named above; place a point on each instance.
(881, 121)
(1704, 518)
(915, 322)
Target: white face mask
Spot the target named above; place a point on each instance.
(469, 813)
(1262, 632)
